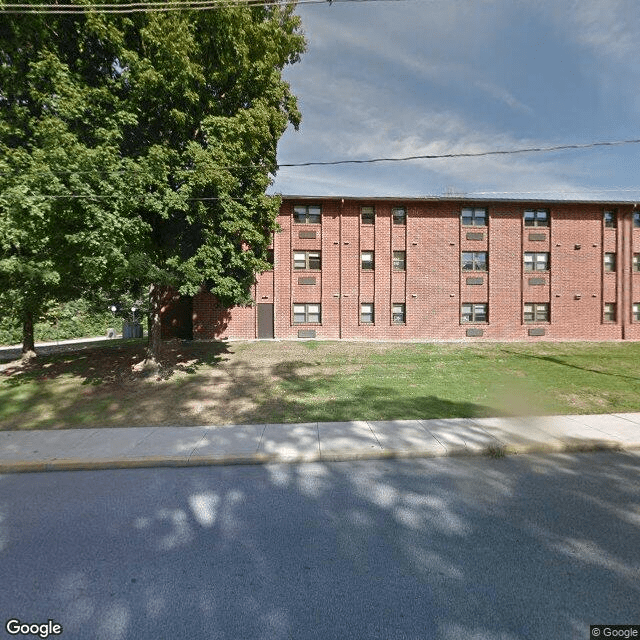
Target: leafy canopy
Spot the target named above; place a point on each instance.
(138, 148)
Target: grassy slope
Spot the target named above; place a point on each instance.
(217, 383)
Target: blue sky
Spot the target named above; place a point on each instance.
(418, 77)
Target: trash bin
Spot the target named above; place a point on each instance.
(131, 330)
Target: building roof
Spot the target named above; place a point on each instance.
(461, 198)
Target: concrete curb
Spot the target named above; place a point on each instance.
(39, 466)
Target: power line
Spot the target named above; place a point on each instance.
(469, 154)
(190, 5)
(464, 154)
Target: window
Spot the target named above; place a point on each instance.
(536, 218)
(366, 313)
(636, 218)
(636, 311)
(536, 261)
(398, 315)
(474, 260)
(474, 217)
(474, 312)
(610, 312)
(399, 260)
(609, 261)
(636, 261)
(306, 260)
(367, 215)
(366, 260)
(611, 219)
(306, 313)
(306, 214)
(399, 215)
(536, 312)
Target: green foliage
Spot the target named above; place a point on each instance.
(137, 149)
(63, 321)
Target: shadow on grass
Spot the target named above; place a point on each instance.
(365, 401)
(113, 364)
(98, 386)
(564, 363)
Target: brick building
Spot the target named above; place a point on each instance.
(441, 269)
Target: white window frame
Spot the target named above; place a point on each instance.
(537, 218)
(537, 258)
(367, 309)
(472, 312)
(399, 313)
(610, 262)
(370, 263)
(302, 260)
(399, 218)
(308, 214)
(474, 262)
(536, 312)
(307, 313)
(477, 216)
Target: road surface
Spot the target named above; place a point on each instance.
(451, 548)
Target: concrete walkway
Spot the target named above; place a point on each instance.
(70, 449)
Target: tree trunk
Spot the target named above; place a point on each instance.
(155, 328)
(28, 345)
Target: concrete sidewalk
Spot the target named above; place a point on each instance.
(75, 449)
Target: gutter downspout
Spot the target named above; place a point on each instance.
(340, 270)
(627, 277)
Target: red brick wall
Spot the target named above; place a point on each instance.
(433, 287)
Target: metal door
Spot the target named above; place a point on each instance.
(265, 320)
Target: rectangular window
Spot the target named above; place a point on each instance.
(610, 312)
(306, 313)
(636, 219)
(366, 313)
(399, 215)
(636, 311)
(609, 261)
(536, 218)
(611, 219)
(536, 312)
(367, 260)
(398, 313)
(399, 260)
(474, 312)
(636, 261)
(367, 215)
(307, 214)
(306, 260)
(536, 261)
(474, 260)
(474, 217)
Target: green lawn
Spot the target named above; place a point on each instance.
(223, 383)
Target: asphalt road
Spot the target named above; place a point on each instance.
(448, 548)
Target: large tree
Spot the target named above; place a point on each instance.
(65, 224)
(187, 108)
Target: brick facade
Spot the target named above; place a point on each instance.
(563, 297)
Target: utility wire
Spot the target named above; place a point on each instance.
(191, 5)
(466, 154)
(469, 154)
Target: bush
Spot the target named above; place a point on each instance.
(76, 319)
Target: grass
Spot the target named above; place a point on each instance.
(258, 382)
